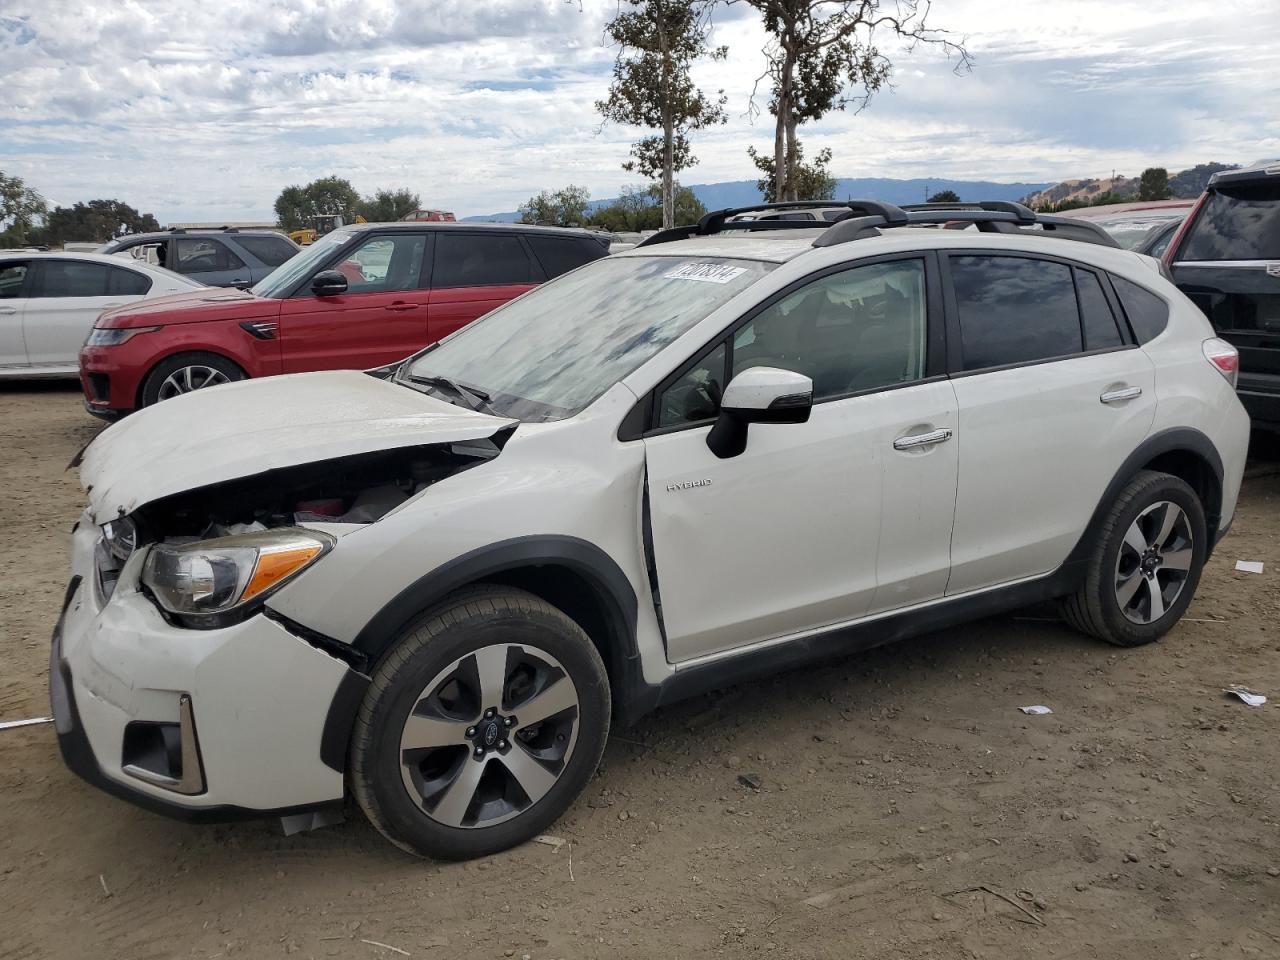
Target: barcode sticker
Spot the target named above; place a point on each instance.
(705, 272)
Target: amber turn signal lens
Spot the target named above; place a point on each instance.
(274, 565)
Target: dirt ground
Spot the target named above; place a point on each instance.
(906, 808)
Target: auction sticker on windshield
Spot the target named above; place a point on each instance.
(705, 272)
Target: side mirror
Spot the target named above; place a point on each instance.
(758, 395)
(328, 283)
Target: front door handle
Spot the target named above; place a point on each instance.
(8, 310)
(922, 439)
(401, 306)
(1117, 396)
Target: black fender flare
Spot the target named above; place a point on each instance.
(613, 589)
(1174, 440)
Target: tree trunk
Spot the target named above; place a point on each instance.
(779, 136)
(793, 159)
(668, 175)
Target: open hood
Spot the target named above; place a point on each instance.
(243, 429)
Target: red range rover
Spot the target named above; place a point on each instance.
(363, 296)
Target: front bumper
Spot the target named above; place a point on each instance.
(256, 711)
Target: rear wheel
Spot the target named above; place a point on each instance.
(1145, 566)
(481, 726)
(185, 373)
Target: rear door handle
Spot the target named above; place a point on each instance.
(402, 306)
(922, 439)
(1117, 396)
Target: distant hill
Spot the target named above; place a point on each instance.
(1188, 184)
(741, 193)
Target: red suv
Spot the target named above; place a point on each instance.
(363, 296)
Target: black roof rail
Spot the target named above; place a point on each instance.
(718, 220)
(1023, 213)
(222, 229)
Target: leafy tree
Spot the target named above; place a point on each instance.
(640, 208)
(806, 181)
(566, 207)
(658, 41)
(97, 220)
(822, 56)
(20, 208)
(1190, 183)
(388, 205)
(1154, 184)
(329, 195)
(945, 196)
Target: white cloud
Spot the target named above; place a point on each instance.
(204, 111)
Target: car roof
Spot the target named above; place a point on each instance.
(112, 259)
(421, 226)
(1262, 170)
(199, 232)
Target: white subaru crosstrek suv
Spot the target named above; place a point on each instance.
(733, 449)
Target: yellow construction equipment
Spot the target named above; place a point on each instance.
(320, 225)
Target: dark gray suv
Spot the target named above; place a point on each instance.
(230, 257)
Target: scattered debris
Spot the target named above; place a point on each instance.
(571, 880)
(1003, 896)
(1249, 566)
(103, 880)
(7, 724)
(1245, 694)
(751, 780)
(1203, 620)
(550, 841)
(1036, 710)
(386, 946)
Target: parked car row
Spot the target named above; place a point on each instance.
(736, 448)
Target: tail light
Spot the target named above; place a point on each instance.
(1224, 357)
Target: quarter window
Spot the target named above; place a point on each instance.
(385, 264)
(1014, 310)
(1100, 330)
(126, 283)
(475, 260)
(695, 396)
(1147, 313)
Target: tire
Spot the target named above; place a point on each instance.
(1116, 601)
(204, 369)
(479, 785)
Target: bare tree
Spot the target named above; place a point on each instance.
(658, 41)
(822, 56)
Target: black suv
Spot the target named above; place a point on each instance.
(1227, 259)
(229, 257)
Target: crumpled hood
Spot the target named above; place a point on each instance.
(247, 428)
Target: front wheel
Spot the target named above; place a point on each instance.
(1145, 565)
(481, 726)
(185, 373)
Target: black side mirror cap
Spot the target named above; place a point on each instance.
(328, 283)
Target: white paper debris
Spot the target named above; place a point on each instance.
(550, 841)
(1249, 697)
(1036, 710)
(25, 723)
(705, 272)
(1249, 566)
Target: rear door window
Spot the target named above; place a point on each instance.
(272, 251)
(1237, 223)
(1014, 310)
(73, 278)
(203, 255)
(12, 276)
(561, 254)
(479, 260)
(126, 283)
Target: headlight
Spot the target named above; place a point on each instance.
(114, 336)
(203, 582)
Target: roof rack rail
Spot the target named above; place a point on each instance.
(222, 229)
(866, 218)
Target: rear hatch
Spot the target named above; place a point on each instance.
(1227, 260)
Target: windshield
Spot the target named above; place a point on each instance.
(550, 353)
(279, 281)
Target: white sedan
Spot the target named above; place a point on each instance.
(49, 302)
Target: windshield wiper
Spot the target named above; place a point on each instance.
(475, 399)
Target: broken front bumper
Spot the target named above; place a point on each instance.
(245, 721)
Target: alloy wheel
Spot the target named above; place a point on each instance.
(489, 736)
(1154, 562)
(186, 379)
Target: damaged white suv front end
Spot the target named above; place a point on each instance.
(172, 681)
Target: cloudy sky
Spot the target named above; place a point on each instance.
(203, 111)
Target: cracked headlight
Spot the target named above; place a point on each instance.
(203, 583)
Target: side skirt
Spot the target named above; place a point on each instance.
(640, 697)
